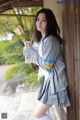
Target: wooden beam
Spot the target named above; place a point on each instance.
(3, 3)
(5, 9)
(17, 15)
(19, 4)
(72, 56)
(22, 3)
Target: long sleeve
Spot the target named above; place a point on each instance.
(50, 50)
(51, 62)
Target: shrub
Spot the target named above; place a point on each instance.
(25, 70)
(32, 78)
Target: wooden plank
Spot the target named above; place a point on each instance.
(72, 57)
(5, 9)
(17, 15)
(70, 70)
(78, 44)
(5, 2)
(76, 58)
(20, 4)
(23, 3)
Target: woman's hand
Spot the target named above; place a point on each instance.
(28, 43)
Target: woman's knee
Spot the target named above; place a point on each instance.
(37, 114)
(41, 110)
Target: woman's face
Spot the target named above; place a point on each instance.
(41, 23)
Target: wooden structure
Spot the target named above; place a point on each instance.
(71, 23)
(11, 4)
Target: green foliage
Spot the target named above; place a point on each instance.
(23, 69)
(20, 69)
(2, 60)
(4, 47)
(23, 24)
(32, 78)
(14, 59)
(11, 52)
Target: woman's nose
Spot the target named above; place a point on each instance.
(40, 22)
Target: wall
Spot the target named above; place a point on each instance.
(57, 9)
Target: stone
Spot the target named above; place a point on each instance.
(12, 84)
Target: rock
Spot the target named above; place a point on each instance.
(12, 85)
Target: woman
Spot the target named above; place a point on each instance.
(50, 60)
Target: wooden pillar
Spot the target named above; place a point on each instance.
(71, 23)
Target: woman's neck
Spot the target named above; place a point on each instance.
(43, 35)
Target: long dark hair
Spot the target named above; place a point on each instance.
(52, 26)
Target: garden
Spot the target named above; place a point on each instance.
(14, 31)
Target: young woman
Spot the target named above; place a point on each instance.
(50, 60)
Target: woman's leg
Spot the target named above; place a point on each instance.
(40, 111)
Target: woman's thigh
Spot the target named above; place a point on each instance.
(41, 109)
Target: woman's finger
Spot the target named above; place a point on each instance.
(28, 43)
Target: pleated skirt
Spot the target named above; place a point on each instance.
(45, 96)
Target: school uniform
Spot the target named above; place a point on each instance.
(52, 68)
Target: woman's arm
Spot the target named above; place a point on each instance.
(50, 50)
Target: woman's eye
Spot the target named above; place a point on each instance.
(44, 20)
(37, 20)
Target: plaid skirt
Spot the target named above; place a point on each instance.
(45, 96)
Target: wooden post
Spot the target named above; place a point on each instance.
(71, 22)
